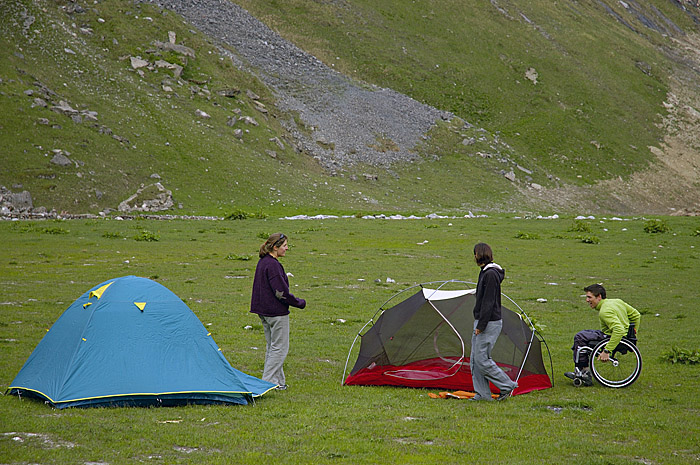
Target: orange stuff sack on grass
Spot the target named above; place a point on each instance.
(455, 395)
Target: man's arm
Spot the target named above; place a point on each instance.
(634, 316)
(615, 328)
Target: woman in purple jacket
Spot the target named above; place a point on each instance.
(271, 300)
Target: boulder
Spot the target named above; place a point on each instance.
(532, 75)
(138, 62)
(61, 159)
(15, 202)
(65, 108)
(177, 69)
(150, 198)
(169, 46)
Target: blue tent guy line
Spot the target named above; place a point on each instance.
(132, 342)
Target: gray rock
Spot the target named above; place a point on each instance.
(65, 108)
(61, 159)
(177, 69)
(277, 141)
(11, 202)
(249, 120)
(138, 62)
(89, 115)
(150, 198)
(171, 47)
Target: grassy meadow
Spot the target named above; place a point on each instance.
(45, 266)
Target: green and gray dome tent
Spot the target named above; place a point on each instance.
(424, 341)
(131, 342)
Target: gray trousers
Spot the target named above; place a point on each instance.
(277, 337)
(583, 338)
(484, 369)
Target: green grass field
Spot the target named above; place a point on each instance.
(45, 266)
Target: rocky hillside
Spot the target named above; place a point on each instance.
(661, 175)
(344, 122)
(197, 107)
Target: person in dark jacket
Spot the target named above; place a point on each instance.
(270, 301)
(487, 328)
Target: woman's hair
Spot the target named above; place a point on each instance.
(596, 290)
(483, 254)
(275, 240)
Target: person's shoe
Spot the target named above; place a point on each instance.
(586, 378)
(504, 395)
(282, 387)
(580, 377)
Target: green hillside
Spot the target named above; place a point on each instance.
(599, 72)
(566, 91)
(150, 131)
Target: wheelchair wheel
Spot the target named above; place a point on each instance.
(622, 369)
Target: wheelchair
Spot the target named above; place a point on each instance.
(624, 366)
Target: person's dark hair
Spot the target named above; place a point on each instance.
(275, 240)
(596, 290)
(483, 254)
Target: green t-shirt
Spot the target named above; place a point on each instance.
(615, 318)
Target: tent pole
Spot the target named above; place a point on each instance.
(529, 344)
(347, 360)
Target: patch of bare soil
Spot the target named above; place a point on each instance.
(670, 185)
(37, 440)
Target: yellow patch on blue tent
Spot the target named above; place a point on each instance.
(98, 292)
(140, 305)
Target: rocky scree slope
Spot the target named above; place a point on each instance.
(344, 122)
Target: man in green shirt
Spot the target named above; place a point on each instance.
(616, 318)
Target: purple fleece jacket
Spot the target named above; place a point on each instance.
(271, 296)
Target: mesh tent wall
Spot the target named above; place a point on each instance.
(425, 340)
(131, 341)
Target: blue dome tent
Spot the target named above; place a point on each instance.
(131, 342)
